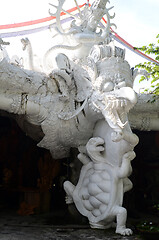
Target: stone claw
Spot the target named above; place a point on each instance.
(124, 231)
(68, 199)
(116, 136)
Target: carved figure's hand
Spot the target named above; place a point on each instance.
(116, 136)
(129, 156)
(94, 148)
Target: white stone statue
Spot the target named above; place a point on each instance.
(99, 192)
(83, 103)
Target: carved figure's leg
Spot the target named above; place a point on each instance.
(101, 225)
(69, 188)
(121, 215)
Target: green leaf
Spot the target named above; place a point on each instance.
(151, 68)
(142, 79)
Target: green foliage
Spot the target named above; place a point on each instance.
(148, 226)
(152, 68)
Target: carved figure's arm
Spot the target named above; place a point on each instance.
(125, 168)
(131, 138)
(83, 158)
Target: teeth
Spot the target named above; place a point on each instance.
(122, 103)
(114, 104)
(117, 103)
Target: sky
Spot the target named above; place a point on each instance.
(137, 22)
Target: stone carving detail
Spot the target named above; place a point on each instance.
(32, 63)
(85, 30)
(84, 103)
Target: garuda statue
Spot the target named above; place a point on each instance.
(82, 103)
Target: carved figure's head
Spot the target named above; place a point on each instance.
(113, 70)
